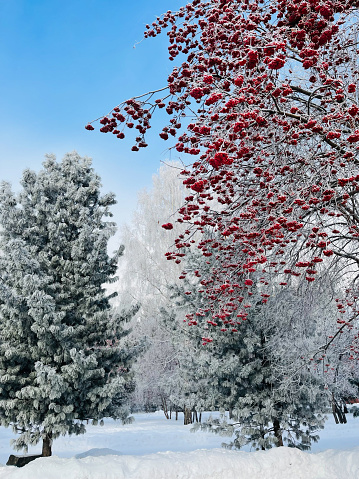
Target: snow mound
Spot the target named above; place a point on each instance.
(96, 451)
(280, 463)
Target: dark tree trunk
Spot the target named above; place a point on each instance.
(195, 416)
(46, 445)
(187, 416)
(200, 417)
(338, 413)
(176, 414)
(277, 432)
(164, 407)
(335, 414)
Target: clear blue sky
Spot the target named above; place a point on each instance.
(64, 63)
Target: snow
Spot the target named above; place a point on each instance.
(203, 464)
(155, 448)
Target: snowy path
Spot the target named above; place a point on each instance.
(154, 448)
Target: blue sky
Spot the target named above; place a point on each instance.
(64, 63)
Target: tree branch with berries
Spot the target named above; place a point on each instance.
(267, 91)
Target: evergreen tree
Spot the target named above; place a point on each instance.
(246, 367)
(61, 358)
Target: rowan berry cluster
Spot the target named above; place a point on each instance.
(275, 141)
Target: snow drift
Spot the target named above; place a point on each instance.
(279, 463)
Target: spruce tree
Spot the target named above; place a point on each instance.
(236, 368)
(62, 361)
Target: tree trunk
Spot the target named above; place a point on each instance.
(200, 417)
(335, 414)
(195, 416)
(187, 416)
(46, 445)
(164, 407)
(277, 432)
(176, 414)
(338, 413)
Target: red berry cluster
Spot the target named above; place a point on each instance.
(269, 92)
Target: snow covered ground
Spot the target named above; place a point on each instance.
(154, 448)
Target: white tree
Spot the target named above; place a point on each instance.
(144, 265)
(146, 275)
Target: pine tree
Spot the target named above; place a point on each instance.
(61, 358)
(249, 367)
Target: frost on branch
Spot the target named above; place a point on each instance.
(268, 91)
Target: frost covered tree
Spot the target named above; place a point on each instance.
(144, 265)
(61, 358)
(266, 370)
(145, 277)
